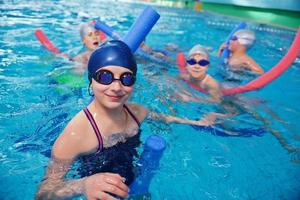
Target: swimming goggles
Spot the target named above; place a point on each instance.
(201, 62)
(234, 38)
(106, 77)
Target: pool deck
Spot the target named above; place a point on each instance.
(280, 18)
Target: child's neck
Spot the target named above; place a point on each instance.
(239, 53)
(89, 50)
(199, 79)
(111, 113)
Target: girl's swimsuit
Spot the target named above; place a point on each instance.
(115, 159)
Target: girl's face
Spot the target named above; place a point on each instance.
(196, 70)
(114, 94)
(92, 40)
(234, 44)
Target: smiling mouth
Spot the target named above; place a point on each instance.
(114, 97)
(196, 71)
(96, 43)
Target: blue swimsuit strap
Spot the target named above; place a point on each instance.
(95, 127)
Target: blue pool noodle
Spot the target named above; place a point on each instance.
(148, 164)
(138, 31)
(142, 26)
(225, 53)
(99, 25)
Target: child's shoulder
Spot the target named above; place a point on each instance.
(78, 122)
(137, 110)
(82, 57)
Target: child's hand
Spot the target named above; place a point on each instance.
(210, 119)
(102, 185)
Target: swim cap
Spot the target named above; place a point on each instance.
(245, 37)
(114, 52)
(86, 28)
(198, 49)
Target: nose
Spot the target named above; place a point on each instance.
(197, 66)
(116, 85)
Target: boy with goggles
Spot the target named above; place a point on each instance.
(239, 44)
(104, 135)
(196, 67)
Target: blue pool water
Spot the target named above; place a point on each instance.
(198, 163)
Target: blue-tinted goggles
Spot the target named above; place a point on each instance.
(234, 38)
(201, 62)
(106, 77)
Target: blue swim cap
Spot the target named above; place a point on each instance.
(114, 52)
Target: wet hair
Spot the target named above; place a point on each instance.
(114, 52)
(198, 49)
(245, 37)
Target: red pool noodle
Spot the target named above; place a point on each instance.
(40, 35)
(260, 81)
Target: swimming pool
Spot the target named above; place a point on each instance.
(197, 164)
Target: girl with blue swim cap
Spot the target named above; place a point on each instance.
(104, 136)
(239, 60)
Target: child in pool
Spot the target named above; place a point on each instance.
(91, 38)
(230, 106)
(239, 60)
(196, 67)
(104, 135)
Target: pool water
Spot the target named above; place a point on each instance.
(197, 163)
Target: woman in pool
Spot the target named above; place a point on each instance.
(103, 136)
(196, 67)
(91, 38)
(239, 60)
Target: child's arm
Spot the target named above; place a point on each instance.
(214, 90)
(174, 119)
(68, 146)
(81, 58)
(253, 66)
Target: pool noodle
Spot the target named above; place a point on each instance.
(137, 33)
(262, 80)
(148, 164)
(113, 34)
(99, 25)
(41, 36)
(225, 53)
(142, 26)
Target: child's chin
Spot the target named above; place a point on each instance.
(113, 105)
(197, 76)
(94, 47)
